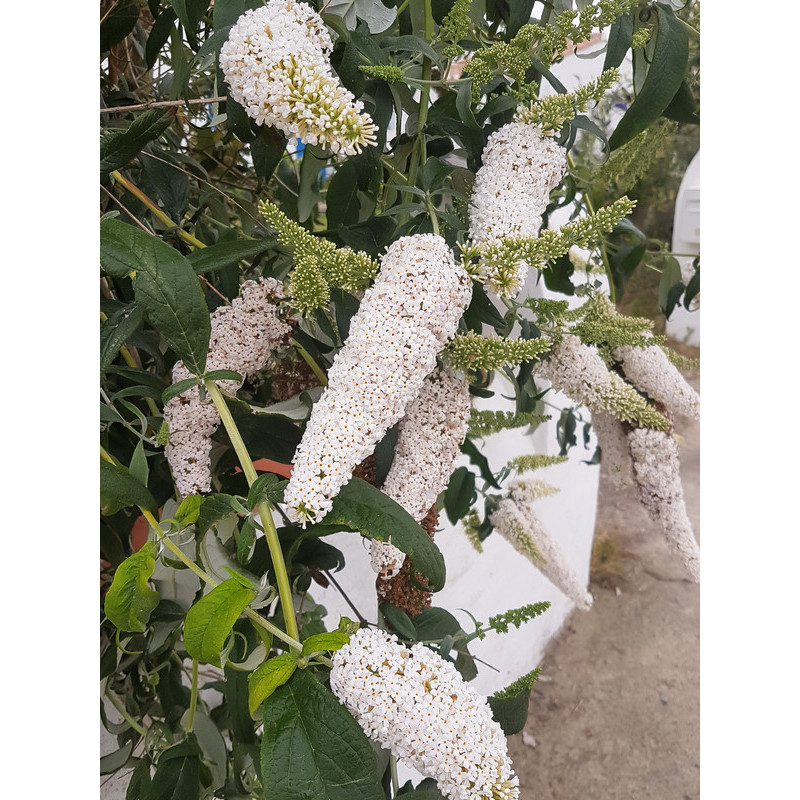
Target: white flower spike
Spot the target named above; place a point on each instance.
(405, 319)
(243, 335)
(415, 703)
(512, 188)
(276, 62)
(428, 442)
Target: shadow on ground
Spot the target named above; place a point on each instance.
(615, 714)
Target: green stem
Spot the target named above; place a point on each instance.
(393, 770)
(315, 368)
(264, 511)
(193, 698)
(157, 212)
(120, 706)
(418, 154)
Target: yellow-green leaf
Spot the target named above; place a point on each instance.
(267, 678)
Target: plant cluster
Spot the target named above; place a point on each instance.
(319, 244)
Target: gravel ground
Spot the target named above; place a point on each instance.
(615, 714)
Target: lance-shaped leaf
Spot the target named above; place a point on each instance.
(320, 642)
(663, 79)
(129, 600)
(510, 706)
(115, 330)
(312, 748)
(177, 775)
(118, 148)
(267, 678)
(165, 285)
(119, 487)
(210, 620)
(361, 506)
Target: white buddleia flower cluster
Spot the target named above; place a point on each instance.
(243, 335)
(512, 189)
(516, 520)
(276, 62)
(579, 371)
(404, 320)
(650, 370)
(429, 440)
(657, 471)
(413, 702)
(613, 440)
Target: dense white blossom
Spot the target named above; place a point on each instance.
(404, 320)
(579, 371)
(243, 335)
(276, 62)
(429, 440)
(650, 370)
(657, 471)
(516, 520)
(613, 440)
(415, 703)
(512, 187)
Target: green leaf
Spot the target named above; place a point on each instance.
(223, 375)
(210, 620)
(266, 486)
(159, 34)
(663, 79)
(312, 748)
(399, 620)
(215, 507)
(165, 286)
(373, 12)
(116, 760)
(227, 254)
(168, 180)
(179, 387)
(409, 44)
(138, 466)
(117, 485)
(670, 287)
(139, 782)
(459, 494)
(511, 712)
(320, 642)
(177, 775)
(118, 24)
(683, 107)
(361, 506)
(115, 331)
(620, 35)
(267, 678)
(433, 624)
(557, 275)
(342, 198)
(267, 151)
(129, 600)
(308, 195)
(119, 148)
(188, 512)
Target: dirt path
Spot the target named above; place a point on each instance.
(615, 715)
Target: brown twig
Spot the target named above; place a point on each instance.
(163, 104)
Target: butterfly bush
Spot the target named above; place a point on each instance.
(512, 189)
(428, 442)
(414, 703)
(651, 371)
(404, 320)
(276, 62)
(516, 520)
(656, 469)
(613, 440)
(243, 335)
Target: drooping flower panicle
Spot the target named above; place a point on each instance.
(243, 335)
(656, 469)
(512, 189)
(579, 372)
(403, 322)
(428, 442)
(276, 62)
(413, 702)
(516, 520)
